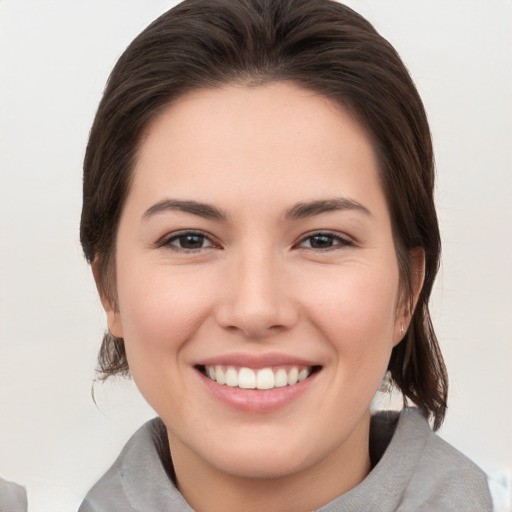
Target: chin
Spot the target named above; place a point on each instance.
(261, 465)
(267, 453)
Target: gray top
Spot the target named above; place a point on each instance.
(12, 497)
(414, 470)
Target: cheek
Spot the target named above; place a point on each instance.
(160, 312)
(356, 311)
(362, 336)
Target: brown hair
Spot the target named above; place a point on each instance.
(322, 46)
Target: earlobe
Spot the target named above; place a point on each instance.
(114, 324)
(408, 303)
(113, 318)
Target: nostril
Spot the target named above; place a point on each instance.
(254, 321)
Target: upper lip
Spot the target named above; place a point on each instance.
(256, 360)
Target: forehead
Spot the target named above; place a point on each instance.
(271, 140)
(227, 113)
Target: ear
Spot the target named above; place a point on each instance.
(113, 317)
(408, 302)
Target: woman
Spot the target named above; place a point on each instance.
(258, 212)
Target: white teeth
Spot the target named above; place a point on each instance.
(231, 378)
(220, 376)
(246, 378)
(293, 376)
(264, 378)
(281, 378)
(303, 374)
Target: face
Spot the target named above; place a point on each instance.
(257, 282)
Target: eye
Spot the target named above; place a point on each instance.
(187, 241)
(324, 241)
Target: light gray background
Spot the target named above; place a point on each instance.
(54, 59)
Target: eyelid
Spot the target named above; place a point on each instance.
(165, 241)
(343, 239)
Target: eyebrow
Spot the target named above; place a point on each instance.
(194, 207)
(304, 210)
(298, 211)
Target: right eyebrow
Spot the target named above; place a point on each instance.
(304, 210)
(205, 210)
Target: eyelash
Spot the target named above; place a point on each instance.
(167, 241)
(335, 239)
(340, 241)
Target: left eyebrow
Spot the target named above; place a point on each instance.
(205, 210)
(304, 210)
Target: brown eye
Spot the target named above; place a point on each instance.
(321, 241)
(324, 241)
(188, 241)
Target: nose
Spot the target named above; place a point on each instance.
(257, 301)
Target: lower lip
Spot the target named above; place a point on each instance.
(254, 400)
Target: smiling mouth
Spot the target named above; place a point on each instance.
(261, 378)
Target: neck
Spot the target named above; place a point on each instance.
(209, 489)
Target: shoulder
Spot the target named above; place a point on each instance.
(13, 497)
(139, 479)
(108, 493)
(414, 471)
(441, 477)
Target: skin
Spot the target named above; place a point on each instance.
(259, 283)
